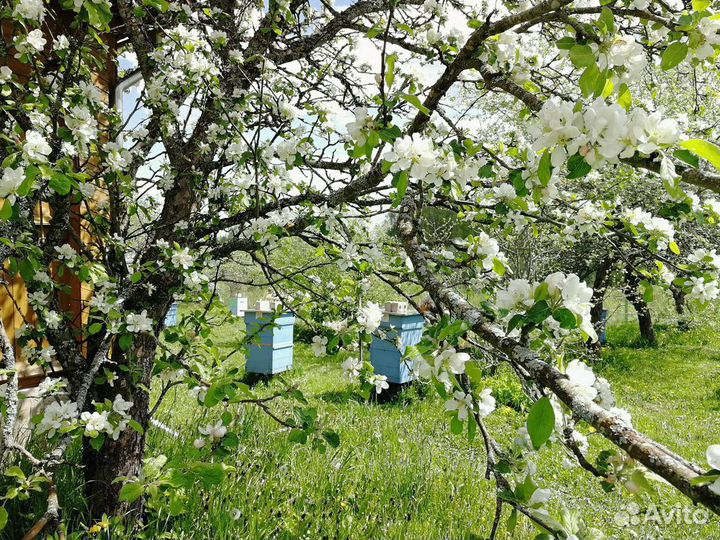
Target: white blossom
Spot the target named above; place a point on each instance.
(370, 317)
(379, 382)
(318, 345)
(139, 322)
(36, 147)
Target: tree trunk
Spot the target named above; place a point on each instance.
(600, 284)
(124, 456)
(679, 297)
(632, 282)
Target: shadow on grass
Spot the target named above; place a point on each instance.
(340, 397)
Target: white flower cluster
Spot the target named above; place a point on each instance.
(418, 156)
(601, 132)
(83, 125)
(359, 128)
(352, 367)
(657, 228)
(703, 286)
(464, 404)
(33, 10)
(486, 250)
(588, 218)
(112, 419)
(441, 365)
(212, 432)
(379, 382)
(623, 52)
(184, 58)
(319, 344)
(415, 154)
(57, 415)
(564, 291)
(109, 418)
(713, 459)
(370, 317)
(138, 322)
(589, 387)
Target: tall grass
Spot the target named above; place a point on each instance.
(400, 473)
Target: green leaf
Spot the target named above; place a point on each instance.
(673, 55)
(415, 102)
(215, 394)
(705, 150)
(539, 312)
(400, 182)
(577, 167)
(472, 429)
(707, 478)
(566, 43)
(332, 438)
(608, 20)
(701, 5)
(6, 210)
(211, 474)
(648, 291)
(131, 492)
(582, 56)
(97, 442)
(545, 169)
(474, 372)
(134, 424)
(177, 504)
(512, 520)
(456, 425)
(125, 341)
(3, 517)
(688, 157)
(390, 69)
(566, 318)
(99, 14)
(297, 436)
(593, 81)
(674, 248)
(541, 422)
(94, 328)
(15, 472)
(624, 98)
(542, 292)
(516, 321)
(160, 5)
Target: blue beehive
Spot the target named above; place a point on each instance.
(271, 347)
(385, 356)
(603, 327)
(238, 305)
(172, 315)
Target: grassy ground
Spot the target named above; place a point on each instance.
(399, 473)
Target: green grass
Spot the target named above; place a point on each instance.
(400, 474)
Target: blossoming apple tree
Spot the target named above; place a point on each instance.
(300, 121)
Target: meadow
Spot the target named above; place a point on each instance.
(400, 474)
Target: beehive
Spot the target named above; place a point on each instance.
(171, 318)
(271, 342)
(238, 305)
(395, 334)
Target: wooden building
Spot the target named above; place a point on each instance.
(16, 309)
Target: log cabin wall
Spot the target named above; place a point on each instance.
(14, 297)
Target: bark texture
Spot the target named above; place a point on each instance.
(632, 293)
